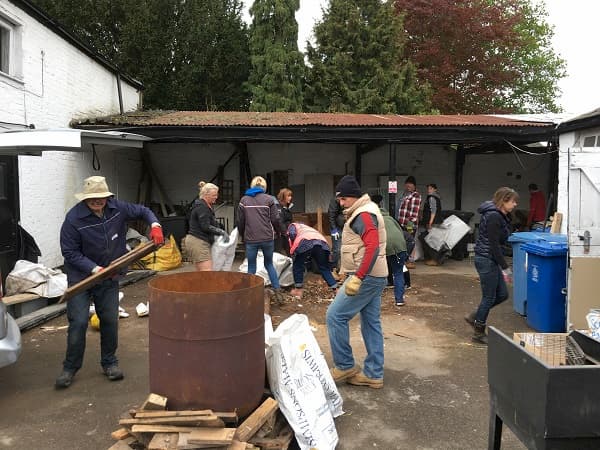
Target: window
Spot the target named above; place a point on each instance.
(11, 53)
(589, 141)
(5, 33)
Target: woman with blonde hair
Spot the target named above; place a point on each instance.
(203, 227)
(259, 224)
(493, 270)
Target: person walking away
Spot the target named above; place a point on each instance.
(493, 270)
(259, 224)
(395, 254)
(335, 213)
(432, 209)
(203, 227)
(363, 260)
(536, 219)
(306, 242)
(91, 237)
(284, 198)
(408, 212)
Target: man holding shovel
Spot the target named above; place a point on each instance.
(91, 237)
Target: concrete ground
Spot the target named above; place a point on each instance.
(435, 394)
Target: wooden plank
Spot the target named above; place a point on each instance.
(42, 315)
(123, 444)
(556, 222)
(164, 441)
(256, 420)
(154, 414)
(120, 434)
(237, 445)
(189, 421)
(213, 436)
(319, 220)
(123, 261)
(19, 298)
(183, 444)
(154, 402)
(162, 429)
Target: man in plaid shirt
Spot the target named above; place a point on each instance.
(408, 214)
(410, 204)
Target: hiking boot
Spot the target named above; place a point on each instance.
(410, 265)
(341, 375)
(113, 373)
(279, 296)
(470, 318)
(360, 379)
(64, 380)
(431, 262)
(479, 336)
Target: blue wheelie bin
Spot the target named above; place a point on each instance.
(546, 280)
(520, 263)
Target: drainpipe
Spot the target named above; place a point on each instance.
(120, 94)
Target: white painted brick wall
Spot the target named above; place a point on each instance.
(59, 83)
(566, 145)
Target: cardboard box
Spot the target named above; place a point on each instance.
(550, 348)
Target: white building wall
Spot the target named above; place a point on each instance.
(57, 83)
(566, 143)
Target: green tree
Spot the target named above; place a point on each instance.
(483, 56)
(277, 70)
(190, 54)
(358, 63)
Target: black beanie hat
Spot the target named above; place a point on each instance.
(410, 179)
(348, 187)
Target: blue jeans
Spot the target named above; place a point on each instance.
(321, 257)
(336, 247)
(395, 267)
(105, 296)
(267, 248)
(368, 303)
(493, 287)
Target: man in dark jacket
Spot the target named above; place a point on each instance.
(336, 224)
(91, 237)
(432, 209)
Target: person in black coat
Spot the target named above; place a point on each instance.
(284, 197)
(493, 270)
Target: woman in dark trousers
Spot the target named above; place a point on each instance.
(284, 198)
(493, 270)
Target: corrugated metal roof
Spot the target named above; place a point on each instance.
(287, 119)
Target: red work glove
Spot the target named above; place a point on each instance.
(156, 235)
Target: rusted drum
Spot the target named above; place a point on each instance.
(207, 340)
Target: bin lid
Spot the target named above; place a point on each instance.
(529, 236)
(544, 248)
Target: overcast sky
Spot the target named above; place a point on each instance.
(575, 24)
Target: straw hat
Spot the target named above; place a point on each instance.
(94, 187)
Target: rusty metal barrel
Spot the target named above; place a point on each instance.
(207, 340)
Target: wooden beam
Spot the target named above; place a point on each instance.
(190, 421)
(139, 252)
(154, 402)
(164, 441)
(256, 420)
(216, 436)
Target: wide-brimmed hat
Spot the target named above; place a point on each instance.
(94, 187)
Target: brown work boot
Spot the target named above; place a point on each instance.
(470, 318)
(431, 262)
(479, 336)
(360, 379)
(341, 375)
(410, 265)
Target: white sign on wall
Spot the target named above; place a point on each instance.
(392, 187)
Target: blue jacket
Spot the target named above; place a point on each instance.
(87, 241)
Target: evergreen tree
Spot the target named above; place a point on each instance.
(358, 62)
(277, 69)
(190, 54)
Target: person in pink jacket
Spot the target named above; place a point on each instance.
(306, 242)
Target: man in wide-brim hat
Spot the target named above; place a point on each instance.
(91, 237)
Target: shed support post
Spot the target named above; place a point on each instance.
(392, 177)
(458, 176)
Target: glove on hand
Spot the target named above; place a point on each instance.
(335, 234)
(225, 237)
(97, 269)
(353, 285)
(156, 235)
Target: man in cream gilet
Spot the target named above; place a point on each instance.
(363, 260)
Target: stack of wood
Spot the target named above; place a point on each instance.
(153, 427)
